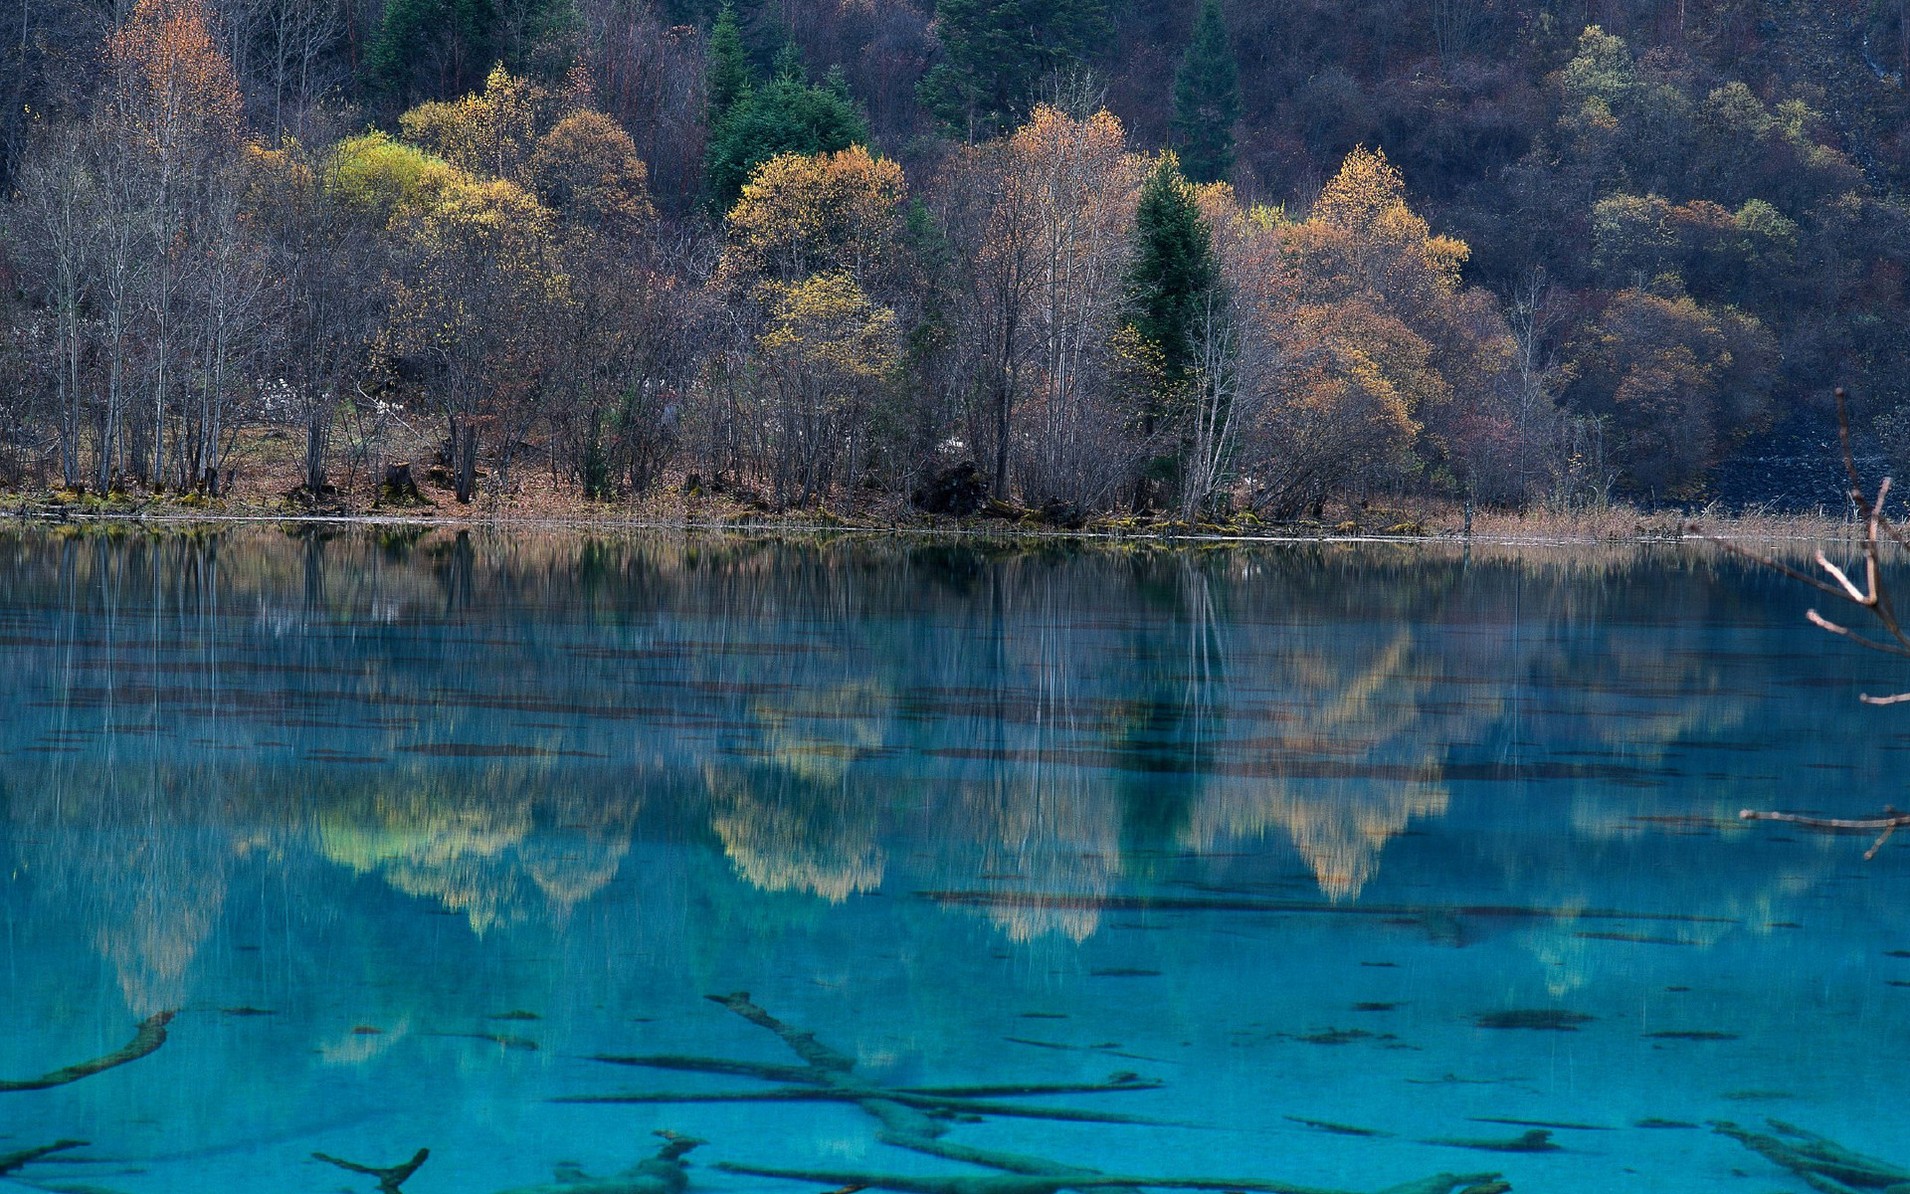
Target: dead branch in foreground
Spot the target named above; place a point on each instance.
(151, 1035)
(1872, 597)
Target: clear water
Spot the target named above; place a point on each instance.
(408, 828)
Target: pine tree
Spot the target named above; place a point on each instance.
(1174, 269)
(1207, 100)
(997, 53)
(787, 115)
(434, 49)
(727, 75)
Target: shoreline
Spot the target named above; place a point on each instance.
(1600, 527)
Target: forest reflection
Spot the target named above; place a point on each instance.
(489, 723)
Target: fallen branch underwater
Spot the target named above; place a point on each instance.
(663, 1173)
(390, 1177)
(151, 1035)
(1821, 1162)
(9, 1162)
(915, 1118)
(1888, 823)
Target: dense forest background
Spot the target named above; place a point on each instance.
(1190, 257)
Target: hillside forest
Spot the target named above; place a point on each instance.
(1196, 259)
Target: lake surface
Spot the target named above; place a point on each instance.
(411, 829)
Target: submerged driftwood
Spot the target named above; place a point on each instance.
(662, 1173)
(390, 1177)
(10, 1162)
(916, 1119)
(151, 1035)
(828, 1076)
(1820, 1162)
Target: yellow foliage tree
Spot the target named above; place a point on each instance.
(476, 313)
(1367, 331)
(1362, 240)
(492, 132)
(174, 85)
(388, 178)
(828, 352)
(805, 214)
(586, 169)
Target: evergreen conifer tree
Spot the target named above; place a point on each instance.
(789, 114)
(1207, 100)
(433, 49)
(997, 53)
(726, 76)
(1174, 267)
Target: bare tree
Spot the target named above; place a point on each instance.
(991, 229)
(58, 215)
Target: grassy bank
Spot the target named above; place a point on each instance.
(670, 507)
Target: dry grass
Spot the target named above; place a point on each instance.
(266, 476)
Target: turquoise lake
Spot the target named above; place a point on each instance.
(1339, 866)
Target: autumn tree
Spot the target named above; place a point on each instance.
(489, 133)
(177, 112)
(586, 170)
(1080, 183)
(829, 352)
(1377, 345)
(472, 319)
(1207, 100)
(1682, 384)
(832, 212)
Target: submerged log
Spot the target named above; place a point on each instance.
(9, 1162)
(913, 1118)
(662, 1173)
(390, 1177)
(828, 1076)
(1020, 1183)
(151, 1035)
(1819, 1161)
(1538, 1140)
